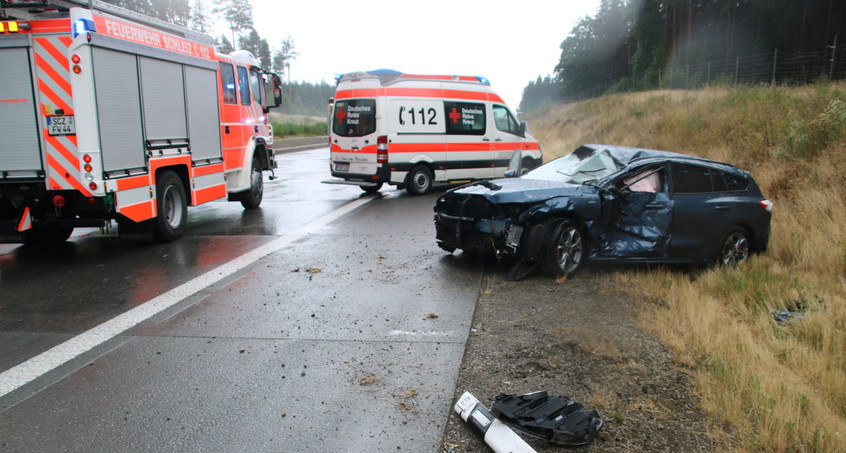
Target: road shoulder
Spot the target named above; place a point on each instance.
(578, 338)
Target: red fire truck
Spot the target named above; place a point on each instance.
(106, 114)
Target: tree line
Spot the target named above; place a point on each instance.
(302, 98)
(237, 15)
(634, 41)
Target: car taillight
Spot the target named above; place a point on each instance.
(766, 204)
(382, 149)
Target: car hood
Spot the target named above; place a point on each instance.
(523, 190)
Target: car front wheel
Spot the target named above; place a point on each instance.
(565, 250)
(734, 247)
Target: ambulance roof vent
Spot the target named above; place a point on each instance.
(385, 75)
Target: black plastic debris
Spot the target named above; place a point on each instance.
(784, 316)
(793, 311)
(557, 419)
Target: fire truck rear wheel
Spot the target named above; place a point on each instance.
(172, 207)
(419, 180)
(251, 199)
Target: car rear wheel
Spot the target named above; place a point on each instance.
(565, 250)
(734, 247)
(419, 180)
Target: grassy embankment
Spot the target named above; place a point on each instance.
(291, 126)
(774, 387)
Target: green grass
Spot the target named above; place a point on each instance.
(289, 126)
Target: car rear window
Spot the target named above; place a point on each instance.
(735, 183)
(354, 117)
(691, 179)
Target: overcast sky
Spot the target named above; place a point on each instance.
(509, 42)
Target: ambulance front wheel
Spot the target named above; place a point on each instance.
(171, 207)
(419, 180)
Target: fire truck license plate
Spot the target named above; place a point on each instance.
(342, 166)
(60, 125)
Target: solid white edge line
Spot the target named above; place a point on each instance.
(22, 374)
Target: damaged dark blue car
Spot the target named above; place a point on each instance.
(612, 204)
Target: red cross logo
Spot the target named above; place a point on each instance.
(341, 114)
(454, 116)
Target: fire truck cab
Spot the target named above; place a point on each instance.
(107, 114)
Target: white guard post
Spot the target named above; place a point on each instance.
(497, 434)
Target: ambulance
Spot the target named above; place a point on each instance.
(412, 130)
(106, 114)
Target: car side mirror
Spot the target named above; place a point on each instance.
(515, 165)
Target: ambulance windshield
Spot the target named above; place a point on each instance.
(354, 117)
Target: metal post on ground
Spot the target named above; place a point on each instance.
(833, 48)
(736, 67)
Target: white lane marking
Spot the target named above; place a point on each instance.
(20, 375)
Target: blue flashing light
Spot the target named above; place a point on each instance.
(484, 80)
(81, 26)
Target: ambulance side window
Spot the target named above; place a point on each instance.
(464, 118)
(244, 85)
(505, 121)
(227, 82)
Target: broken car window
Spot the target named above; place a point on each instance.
(579, 168)
(647, 181)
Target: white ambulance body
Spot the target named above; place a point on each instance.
(412, 130)
(106, 114)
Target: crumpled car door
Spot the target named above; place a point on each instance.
(639, 225)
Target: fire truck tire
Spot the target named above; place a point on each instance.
(47, 236)
(251, 199)
(419, 180)
(172, 208)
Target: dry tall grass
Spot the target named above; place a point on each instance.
(781, 386)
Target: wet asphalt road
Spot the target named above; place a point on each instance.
(342, 334)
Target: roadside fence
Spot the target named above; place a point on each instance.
(772, 68)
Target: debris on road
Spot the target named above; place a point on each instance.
(554, 418)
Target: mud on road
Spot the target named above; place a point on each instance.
(578, 338)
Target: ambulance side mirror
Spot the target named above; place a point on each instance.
(273, 90)
(524, 128)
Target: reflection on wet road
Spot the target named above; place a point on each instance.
(322, 343)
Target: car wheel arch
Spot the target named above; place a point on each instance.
(553, 208)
